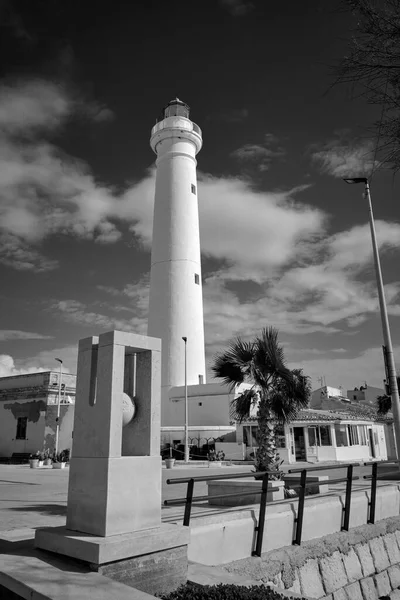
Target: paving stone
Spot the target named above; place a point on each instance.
(333, 572)
(379, 554)
(368, 589)
(394, 595)
(353, 591)
(352, 566)
(382, 583)
(330, 597)
(340, 595)
(364, 554)
(310, 580)
(392, 548)
(394, 576)
(397, 534)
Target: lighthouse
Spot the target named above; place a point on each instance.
(176, 299)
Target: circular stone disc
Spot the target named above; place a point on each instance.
(128, 409)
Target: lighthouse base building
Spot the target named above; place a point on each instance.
(209, 418)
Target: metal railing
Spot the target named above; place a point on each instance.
(374, 479)
(302, 493)
(189, 500)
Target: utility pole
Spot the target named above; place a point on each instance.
(391, 368)
(58, 405)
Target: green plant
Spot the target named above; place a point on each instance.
(62, 456)
(224, 591)
(276, 391)
(41, 455)
(218, 456)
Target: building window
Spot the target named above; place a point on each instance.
(197, 278)
(201, 379)
(353, 435)
(341, 435)
(319, 436)
(193, 189)
(362, 435)
(325, 435)
(22, 423)
(200, 404)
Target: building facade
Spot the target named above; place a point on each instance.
(319, 436)
(365, 394)
(28, 412)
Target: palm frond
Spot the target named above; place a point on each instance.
(233, 365)
(269, 357)
(288, 396)
(384, 404)
(240, 406)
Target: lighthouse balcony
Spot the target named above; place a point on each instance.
(176, 122)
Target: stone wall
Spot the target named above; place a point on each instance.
(362, 564)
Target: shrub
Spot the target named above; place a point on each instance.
(212, 455)
(224, 591)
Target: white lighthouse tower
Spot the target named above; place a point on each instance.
(176, 299)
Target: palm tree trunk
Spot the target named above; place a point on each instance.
(267, 457)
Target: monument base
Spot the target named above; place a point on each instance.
(153, 561)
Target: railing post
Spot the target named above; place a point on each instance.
(347, 503)
(300, 508)
(372, 503)
(261, 516)
(188, 505)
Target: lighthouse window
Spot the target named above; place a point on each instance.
(193, 189)
(197, 278)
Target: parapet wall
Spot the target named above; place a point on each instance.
(362, 564)
(218, 539)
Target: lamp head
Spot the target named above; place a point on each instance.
(184, 339)
(58, 360)
(351, 180)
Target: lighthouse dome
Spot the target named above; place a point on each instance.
(176, 108)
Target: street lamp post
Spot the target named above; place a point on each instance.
(186, 407)
(58, 405)
(390, 365)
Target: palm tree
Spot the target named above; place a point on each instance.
(278, 391)
(384, 403)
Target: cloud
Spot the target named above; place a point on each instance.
(15, 334)
(43, 361)
(345, 157)
(17, 254)
(261, 154)
(42, 190)
(8, 368)
(30, 106)
(79, 313)
(237, 8)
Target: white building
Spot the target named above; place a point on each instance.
(28, 412)
(323, 435)
(176, 297)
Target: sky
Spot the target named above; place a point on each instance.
(285, 242)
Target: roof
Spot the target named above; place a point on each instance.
(352, 414)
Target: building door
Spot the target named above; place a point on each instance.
(299, 443)
(371, 443)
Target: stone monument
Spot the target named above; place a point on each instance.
(114, 494)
